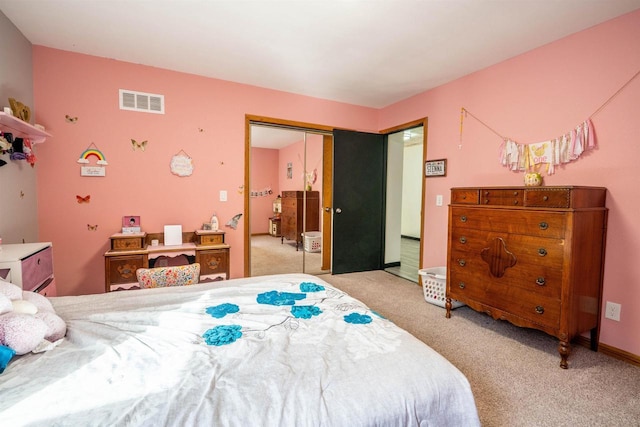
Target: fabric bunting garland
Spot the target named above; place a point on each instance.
(554, 152)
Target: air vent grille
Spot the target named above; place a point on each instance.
(141, 101)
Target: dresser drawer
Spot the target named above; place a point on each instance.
(532, 223)
(526, 249)
(544, 281)
(36, 269)
(502, 197)
(464, 196)
(548, 198)
(532, 306)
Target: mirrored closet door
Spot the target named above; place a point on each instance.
(285, 200)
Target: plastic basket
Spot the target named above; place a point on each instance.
(434, 286)
(312, 241)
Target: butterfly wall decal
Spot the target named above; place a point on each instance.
(92, 227)
(70, 119)
(233, 222)
(85, 199)
(139, 145)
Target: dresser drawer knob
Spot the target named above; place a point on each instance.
(462, 262)
(462, 285)
(545, 198)
(543, 225)
(542, 252)
(515, 202)
(541, 281)
(539, 309)
(463, 240)
(515, 193)
(463, 218)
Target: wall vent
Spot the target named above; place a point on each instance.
(141, 101)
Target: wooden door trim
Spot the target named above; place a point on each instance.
(250, 119)
(409, 125)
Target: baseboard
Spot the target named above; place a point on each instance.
(608, 350)
(259, 234)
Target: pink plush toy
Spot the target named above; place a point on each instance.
(28, 321)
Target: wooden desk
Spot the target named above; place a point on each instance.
(132, 251)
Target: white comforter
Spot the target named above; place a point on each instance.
(233, 353)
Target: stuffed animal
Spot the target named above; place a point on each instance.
(28, 322)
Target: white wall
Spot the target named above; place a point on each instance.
(18, 193)
(411, 191)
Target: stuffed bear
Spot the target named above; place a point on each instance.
(28, 321)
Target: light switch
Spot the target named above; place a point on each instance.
(439, 200)
(223, 195)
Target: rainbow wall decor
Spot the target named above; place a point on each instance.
(92, 152)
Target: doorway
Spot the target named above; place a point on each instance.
(285, 165)
(404, 202)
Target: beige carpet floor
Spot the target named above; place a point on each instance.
(270, 256)
(514, 372)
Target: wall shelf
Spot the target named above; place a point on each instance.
(21, 129)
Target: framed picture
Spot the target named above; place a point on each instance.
(131, 221)
(435, 168)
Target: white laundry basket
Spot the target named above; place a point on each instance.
(434, 286)
(312, 241)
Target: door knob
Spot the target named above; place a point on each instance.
(338, 210)
(327, 209)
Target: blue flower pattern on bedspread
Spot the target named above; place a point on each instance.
(222, 334)
(227, 334)
(279, 298)
(358, 318)
(305, 311)
(310, 287)
(219, 311)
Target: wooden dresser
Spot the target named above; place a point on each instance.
(533, 256)
(292, 219)
(130, 252)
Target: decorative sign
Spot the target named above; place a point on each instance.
(181, 164)
(435, 168)
(99, 169)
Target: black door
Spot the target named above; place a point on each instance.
(358, 201)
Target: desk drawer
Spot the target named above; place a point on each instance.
(37, 268)
(214, 261)
(122, 269)
(211, 239)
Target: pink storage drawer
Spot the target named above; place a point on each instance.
(36, 269)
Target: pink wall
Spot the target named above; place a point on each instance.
(535, 97)
(137, 182)
(264, 177)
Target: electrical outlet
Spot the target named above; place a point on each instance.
(612, 311)
(439, 200)
(223, 195)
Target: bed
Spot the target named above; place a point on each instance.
(284, 350)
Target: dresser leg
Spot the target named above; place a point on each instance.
(447, 305)
(564, 348)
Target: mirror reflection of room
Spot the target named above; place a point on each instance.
(285, 201)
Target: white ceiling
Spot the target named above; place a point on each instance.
(366, 52)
